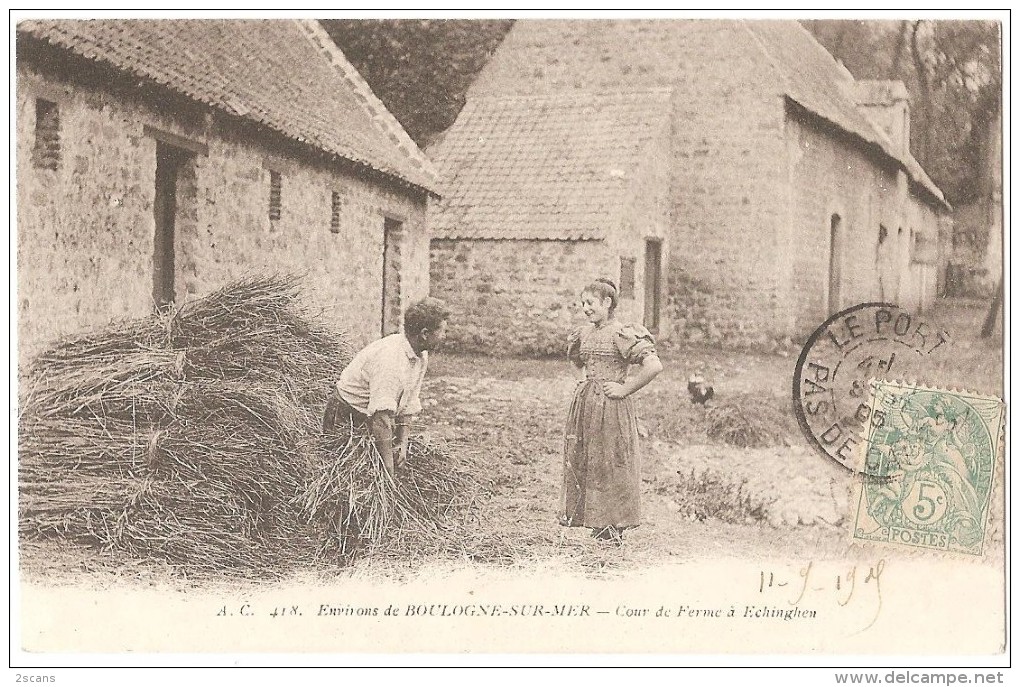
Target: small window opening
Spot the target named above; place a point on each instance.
(334, 218)
(275, 195)
(627, 277)
(46, 153)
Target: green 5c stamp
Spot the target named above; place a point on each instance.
(930, 459)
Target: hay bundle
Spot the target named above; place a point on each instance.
(194, 438)
(747, 422)
(197, 524)
(423, 510)
(253, 331)
(186, 436)
(430, 509)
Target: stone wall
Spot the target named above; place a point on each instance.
(828, 177)
(725, 175)
(522, 296)
(86, 228)
(828, 180)
(928, 253)
(749, 205)
(515, 297)
(645, 216)
(728, 199)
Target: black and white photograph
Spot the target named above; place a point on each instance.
(563, 335)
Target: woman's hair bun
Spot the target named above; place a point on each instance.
(605, 288)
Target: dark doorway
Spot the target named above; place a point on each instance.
(836, 249)
(169, 162)
(393, 231)
(653, 283)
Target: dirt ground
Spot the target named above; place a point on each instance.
(793, 502)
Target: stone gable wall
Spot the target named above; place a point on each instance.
(748, 238)
(750, 192)
(728, 194)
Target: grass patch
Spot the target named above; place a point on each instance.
(744, 420)
(710, 494)
(747, 423)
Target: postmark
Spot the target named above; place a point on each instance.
(938, 451)
(830, 383)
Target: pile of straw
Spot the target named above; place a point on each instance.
(747, 422)
(424, 509)
(195, 438)
(432, 508)
(185, 437)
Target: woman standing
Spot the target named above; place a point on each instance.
(601, 472)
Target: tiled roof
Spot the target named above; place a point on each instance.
(544, 166)
(602, 55)
(284, 75)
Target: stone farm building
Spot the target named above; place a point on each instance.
(159, 160)
(731, 175)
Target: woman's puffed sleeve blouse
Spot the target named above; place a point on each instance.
(635, 343)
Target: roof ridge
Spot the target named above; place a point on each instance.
(226, 83)
(842, 86)
(575, 94)
(767, 54)
(825, 51)
(381, 117)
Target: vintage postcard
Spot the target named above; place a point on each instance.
(509, 336)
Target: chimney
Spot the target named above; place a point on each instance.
(887, 104)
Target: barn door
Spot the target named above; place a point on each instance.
(169, 162)
(391, 314)
(836, 250)
(653, 283)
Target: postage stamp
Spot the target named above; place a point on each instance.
(930, 458)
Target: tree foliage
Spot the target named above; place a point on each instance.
(952, 71)
(420, 69)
